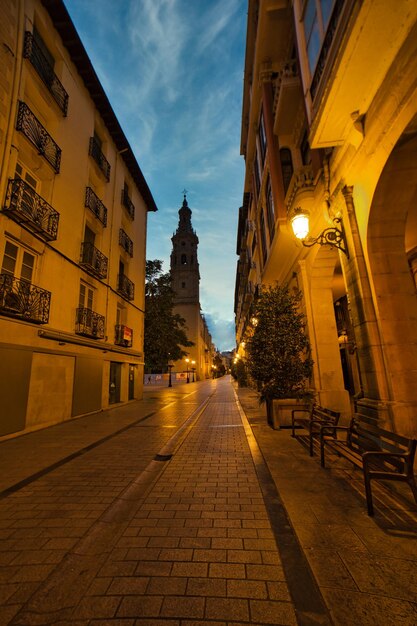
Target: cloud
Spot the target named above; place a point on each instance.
(222, 331)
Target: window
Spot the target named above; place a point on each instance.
(120, 315)
(305, 150)
(262, 138)
(86, 297)
(286, 167)
(270, 212)
(24, 174)
(257, 174)
(183, 259)
(316, 20)
(98, 141)
(183, 285)
(263, 237)
(43, 49)
(18, 262)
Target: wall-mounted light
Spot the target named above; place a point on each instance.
(334, 237)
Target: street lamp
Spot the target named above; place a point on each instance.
(193, 370)
(334, 237)
(188, 375)
(169, 377)
(214, 367)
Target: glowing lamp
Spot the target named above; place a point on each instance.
(300, 223)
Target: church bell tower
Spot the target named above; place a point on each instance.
(185, 274)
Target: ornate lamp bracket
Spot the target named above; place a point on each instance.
(334, 237)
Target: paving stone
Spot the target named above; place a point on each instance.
(348, 608)
(140, 606)
(154, 568)
(206, 587)
(128, 585)
(246, 589)
(227, 570)
(227, 609)
(187, 607)
(94, 607)
(190, 569)
(271, 612)
(264, 572)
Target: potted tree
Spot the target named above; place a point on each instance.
(278, 353)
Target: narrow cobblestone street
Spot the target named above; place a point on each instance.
(165, 512)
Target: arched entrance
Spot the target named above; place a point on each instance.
(392, 251)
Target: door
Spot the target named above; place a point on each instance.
(114, 383)
(132, 376)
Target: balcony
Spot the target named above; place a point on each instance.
(123, 336)
(25, 206)
(95, 205)
(33, 52)
(288, 98)
(125, 287)
(33, 130)
(89, 323)
(93, 260)
(21, 299)
(95, 152)
(128, 204)
(125, 242)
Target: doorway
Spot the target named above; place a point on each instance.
(132, 377)
(114, 382)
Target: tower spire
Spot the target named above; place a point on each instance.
(184, 224)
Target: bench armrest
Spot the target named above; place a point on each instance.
(329, 426)
(383, 453)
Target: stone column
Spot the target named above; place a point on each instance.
(376, 392)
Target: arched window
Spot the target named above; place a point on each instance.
(183, 259)
(183, 285)
(286, 167)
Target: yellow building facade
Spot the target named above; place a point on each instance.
(72, 229)
(329, 131)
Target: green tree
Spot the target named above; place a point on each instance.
(165, 331)
(279, 350)
(218, 362)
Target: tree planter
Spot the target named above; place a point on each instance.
(278, 412)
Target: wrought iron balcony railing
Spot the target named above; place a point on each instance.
(123, 336)
(99, 158)
(25, 206)
(89, 323)
(20, 299)
(95, 205)
(33, 52)
(93, 260)
(128, 204)
(125, 287)
(33, 130)
(126, 242)
(329, 38)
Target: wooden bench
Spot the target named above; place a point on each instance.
(318, 416)
(381, 454)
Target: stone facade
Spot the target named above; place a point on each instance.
(329, 128)
(72, 229)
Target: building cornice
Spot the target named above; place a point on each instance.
(72, 42)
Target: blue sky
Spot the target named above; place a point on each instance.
(173, 72)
